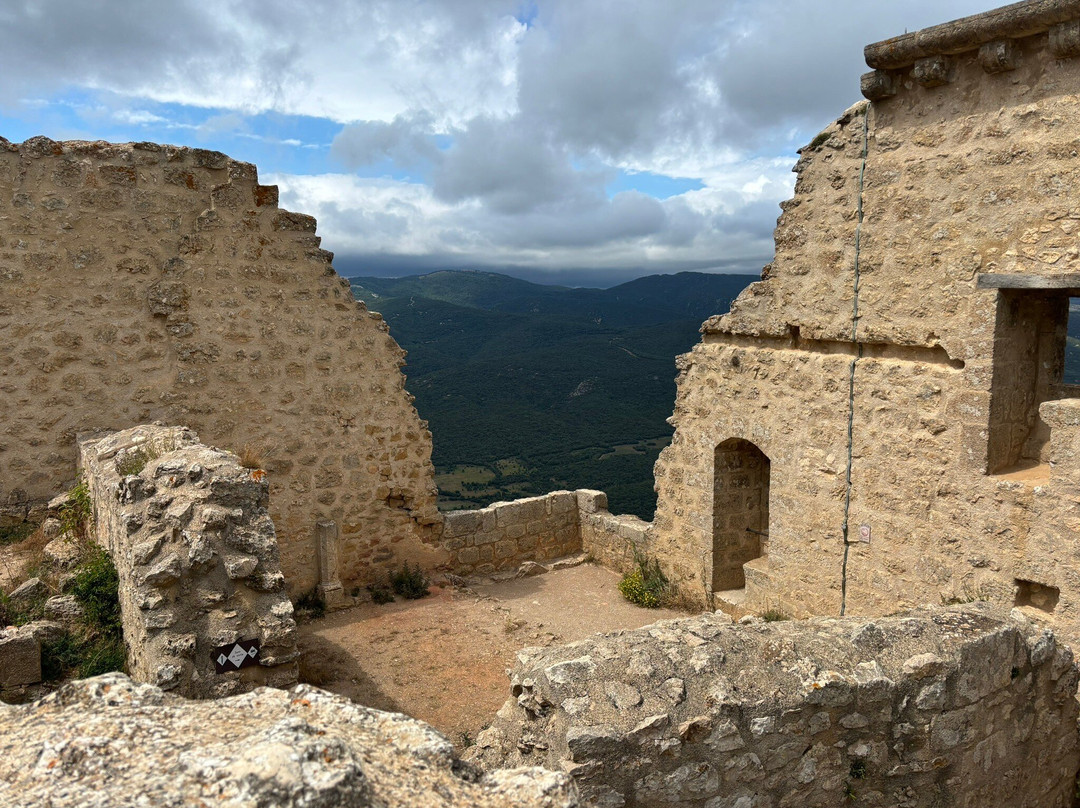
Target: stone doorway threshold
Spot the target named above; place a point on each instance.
(443, 659)
(731, 601)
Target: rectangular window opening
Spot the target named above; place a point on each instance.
(1071, 375)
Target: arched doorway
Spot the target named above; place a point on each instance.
(740, 511)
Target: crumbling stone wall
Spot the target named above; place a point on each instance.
(896, 364)
(108, 741)
(197, 557)
(144, 283)
(964, 706)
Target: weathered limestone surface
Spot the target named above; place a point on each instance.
(946, 393)
(108, 741)
(197, 557)
(144, 283)
(960, 706)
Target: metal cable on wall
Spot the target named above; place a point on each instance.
(854, 361)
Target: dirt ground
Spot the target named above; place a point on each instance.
(443, 659)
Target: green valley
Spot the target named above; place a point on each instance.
(528, 388)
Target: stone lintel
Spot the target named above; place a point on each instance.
(969, 33)
(1014, 280)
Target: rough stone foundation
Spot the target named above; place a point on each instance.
(960, 706)
(197, 556)
(108, 741)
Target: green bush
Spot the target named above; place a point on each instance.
(14, 614)
(409, 582)
(311, 603)
(60, 657)
(96, 588)
(381, 593)
(75, 514)
(646, 585)
(80, 656)
(103, 655)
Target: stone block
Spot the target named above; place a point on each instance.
(20, 658)
(591, 501)
(789, 725)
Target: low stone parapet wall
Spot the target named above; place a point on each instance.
(505, 535)
(612, 541)
(963, 706)
(202, 595)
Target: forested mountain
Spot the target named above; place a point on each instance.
(529, 388)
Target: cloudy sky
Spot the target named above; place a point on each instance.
(585, 141)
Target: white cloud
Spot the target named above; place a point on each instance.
(516, 130)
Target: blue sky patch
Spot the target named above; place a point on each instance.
(655, 185)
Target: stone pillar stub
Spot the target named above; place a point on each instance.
(999, 56)
(330, 589)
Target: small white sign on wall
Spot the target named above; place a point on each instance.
(864, 534)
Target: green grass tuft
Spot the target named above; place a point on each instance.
(13, 534)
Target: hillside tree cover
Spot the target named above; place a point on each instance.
(530, 388)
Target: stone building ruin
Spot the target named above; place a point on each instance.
(144, 283)
(882, 421)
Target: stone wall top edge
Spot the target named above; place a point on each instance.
(42, 146)
(968, 33)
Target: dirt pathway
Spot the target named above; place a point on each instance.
(443, 659)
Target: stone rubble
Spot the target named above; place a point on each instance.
(108, 741)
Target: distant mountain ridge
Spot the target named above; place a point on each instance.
(529, 387)
(650, 299)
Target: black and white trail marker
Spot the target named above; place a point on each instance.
(236, 655)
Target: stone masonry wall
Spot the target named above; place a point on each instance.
(144, 283)
(930, 231)
(964, 706)
(197, 557)
(611, 540)
(505, 535)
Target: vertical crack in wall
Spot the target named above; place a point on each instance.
(854, 362)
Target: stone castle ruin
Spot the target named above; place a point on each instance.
(144, 283)
(881, 423)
